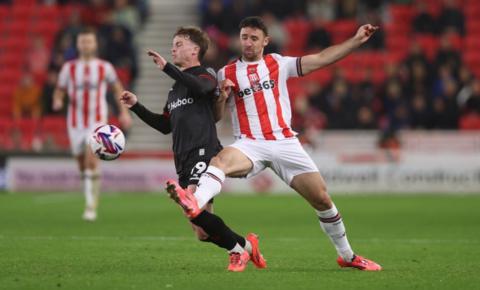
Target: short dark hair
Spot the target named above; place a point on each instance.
(254, 22)
(197, 36)
(88, 30)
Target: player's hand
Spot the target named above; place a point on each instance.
(125, 120)
(365, 32)
(128, 99)
(57, 105)
(226, 87)
(157, 59)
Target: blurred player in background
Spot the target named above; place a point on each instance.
(85, 80)
(261, 114)
(190, 114)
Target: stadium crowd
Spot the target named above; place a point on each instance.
(40, 38)
(419, 71)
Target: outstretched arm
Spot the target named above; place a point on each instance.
(334, 53)
(225, 91)
(160, 122)
(124, 117)
(204, 83)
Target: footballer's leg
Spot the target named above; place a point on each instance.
(312, 187)
(91, 183)
(211, 228)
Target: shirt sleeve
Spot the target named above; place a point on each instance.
(62, 81)
(160, 122)
(202, 82)
(292, 65)
(110, 74)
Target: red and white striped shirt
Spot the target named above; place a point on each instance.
(86, 83)
(260, 105)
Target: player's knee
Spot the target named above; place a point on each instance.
(219, 162)
(321, 199)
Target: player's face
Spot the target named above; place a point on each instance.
(87, 44)
(184, 50)
(252, 43)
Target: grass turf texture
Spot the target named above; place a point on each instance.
(143, 242)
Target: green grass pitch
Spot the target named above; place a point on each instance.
(142, 241)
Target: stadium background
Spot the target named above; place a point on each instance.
(400, 115)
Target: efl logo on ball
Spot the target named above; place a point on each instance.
(107, 142)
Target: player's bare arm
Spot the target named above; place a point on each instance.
(58, 97)
(124, 117)
(225, 87)
(334, 53)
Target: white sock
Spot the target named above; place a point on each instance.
(332, 224)
(209, 185)
(96, 188)
(236, 249)
(248, 246)
(88, 188)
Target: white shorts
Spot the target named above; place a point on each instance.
(79, 138)
(286, 158)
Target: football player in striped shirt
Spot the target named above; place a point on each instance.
(256, 85)
(85, 80)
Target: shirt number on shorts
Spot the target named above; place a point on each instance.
(198, 169)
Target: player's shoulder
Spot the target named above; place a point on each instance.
(204, 71)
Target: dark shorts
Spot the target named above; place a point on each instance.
(192, 164)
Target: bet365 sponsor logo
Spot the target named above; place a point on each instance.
(257, 86)
(179, 102)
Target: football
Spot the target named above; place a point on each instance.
(107, 142)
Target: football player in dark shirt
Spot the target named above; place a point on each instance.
(190, 114)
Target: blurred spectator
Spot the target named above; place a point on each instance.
(346, 9)
(73, 27)
(447, 55)
(318, 38)
(377, 41)
(323, 9)
(339, 107)
(38, 57)
(472, 98)
(213, 58)
(96, 13)
(420, 113)
(445, 107)
(215, 15)
(126, 15)
(26, 99)
(451, 18)
(423, 22)
(365, 119)
(277, 33)
(47, 94)
(121, 52)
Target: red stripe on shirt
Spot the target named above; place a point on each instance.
(231, 74)
(273, 69)
(101, 75)
(73, 103)
(86, 94)
(262, 110)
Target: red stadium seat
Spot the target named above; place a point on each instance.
(401, 13)
(28, 129)
(298, 30)
(6, 138)
(429, 44)
(54, 129)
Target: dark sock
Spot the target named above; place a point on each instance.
(219, 233)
